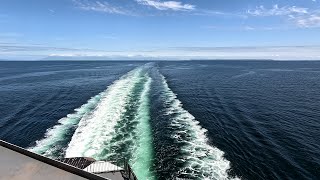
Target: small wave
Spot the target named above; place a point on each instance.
(244, 74)
(201, 161)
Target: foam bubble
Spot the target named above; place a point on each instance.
(113, 124)
(201, 161)
(98, 127)
(53, 144)
(50, 145)
(143, 156)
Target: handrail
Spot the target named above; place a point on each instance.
(129, 172)
(51, 162)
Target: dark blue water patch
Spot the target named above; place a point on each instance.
(166, 150)
(263, 115)
(35, 95)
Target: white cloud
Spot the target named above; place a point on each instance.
(105, 7)
(185, 53)
(277, 11)
(207, 12)
(100, 6)
(300, 16)
(307, 21)
(167, 5)
(33, 51)
(245, 28)
(249, 28)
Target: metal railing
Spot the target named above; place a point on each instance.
(51, 162)
(129, 172)
(126, 170)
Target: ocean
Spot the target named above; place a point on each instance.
(169, 119)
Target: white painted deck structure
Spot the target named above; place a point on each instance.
(102, 166)
(16, 166)
(19, 164)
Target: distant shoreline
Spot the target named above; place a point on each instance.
(86, 60)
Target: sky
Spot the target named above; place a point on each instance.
(160, 29)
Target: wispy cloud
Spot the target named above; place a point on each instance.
(307, 21)
(167, 5)
(245, 28)
(37, 51)
(207, 12)
(277, 11)
(101, 6)
(51, 11)
(300, 16)
(252, 52)
(163, 6)
(186, 53)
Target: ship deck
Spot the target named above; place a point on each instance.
(19, 164)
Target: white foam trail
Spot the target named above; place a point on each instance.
(97, 128)
(202, 160)
(143, 151)
(50, 145)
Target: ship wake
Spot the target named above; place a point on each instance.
(116, 124)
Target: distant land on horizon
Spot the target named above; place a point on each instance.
(134, 58)
(106, 58)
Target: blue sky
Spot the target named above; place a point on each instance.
(160, 29)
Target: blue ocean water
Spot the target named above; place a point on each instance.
(184, 119)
